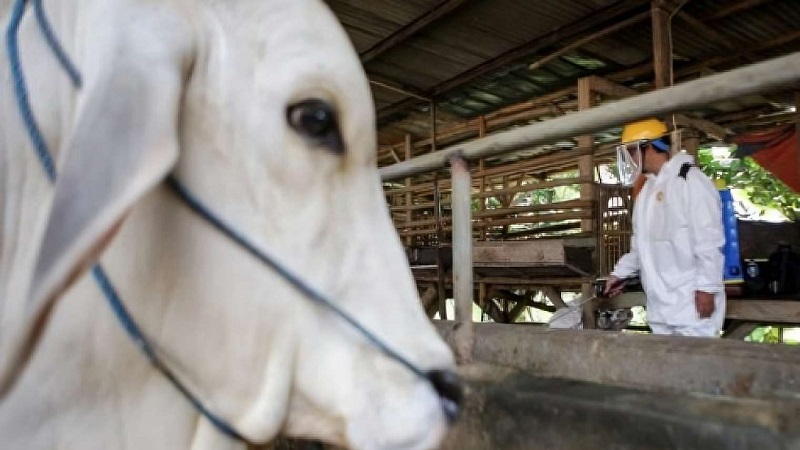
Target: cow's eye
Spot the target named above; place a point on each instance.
(316, 121)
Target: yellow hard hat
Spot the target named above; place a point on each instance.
(647, 129)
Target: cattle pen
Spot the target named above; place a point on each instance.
(471, 154)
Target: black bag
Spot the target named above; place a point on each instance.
(784, 267)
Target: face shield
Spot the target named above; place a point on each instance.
(629, 162)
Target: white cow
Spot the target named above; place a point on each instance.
(217, 92)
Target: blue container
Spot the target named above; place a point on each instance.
(733, 263)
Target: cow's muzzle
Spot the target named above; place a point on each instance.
(451, 393)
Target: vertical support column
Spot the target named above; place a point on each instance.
(482, 294)
(588, 312)
(409, 216)
(462, 257)
(482, 178)
(691, 141)
(586, 163)
(586, 169)
(662, 55)
(437, 213)
(662, 44)
(433, 126)
(797, 124)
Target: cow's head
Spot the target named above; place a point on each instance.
(262, 110)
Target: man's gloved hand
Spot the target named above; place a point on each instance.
(614, 286)
(704, 302)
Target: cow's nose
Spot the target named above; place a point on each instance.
(448, 386)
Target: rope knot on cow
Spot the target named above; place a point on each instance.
(194, 203)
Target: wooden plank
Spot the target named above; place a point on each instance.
(539, 218)
(535, 186)
(747, 310)
(441, 10)
(492, 253)
(739, 330)
(766, 311)
(548, 207)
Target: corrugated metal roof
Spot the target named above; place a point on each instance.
(478, 31)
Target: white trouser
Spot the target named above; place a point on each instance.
(702, 328)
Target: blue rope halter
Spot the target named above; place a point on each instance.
(197, 206)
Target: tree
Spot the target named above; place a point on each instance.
(761, 187)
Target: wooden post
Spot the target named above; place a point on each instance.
(797, 124)
(482, 294)
(433, 125)
(587, 291)
(662, 56)
(437, 212)
(691, 141)
(482, 180)
(462, 257)
(662, 44)
(409, 215)
(586, 163)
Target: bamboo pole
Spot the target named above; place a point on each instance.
(462, 258)
(756, 78)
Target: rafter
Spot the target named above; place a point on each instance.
(586, 24)
(733, 9)
(441, 10)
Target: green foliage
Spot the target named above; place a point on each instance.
(763, 188)
(765, 335)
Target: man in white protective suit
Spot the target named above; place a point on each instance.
(677, 235)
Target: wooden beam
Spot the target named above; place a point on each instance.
(567, 204)
(708, 127)
(616, 90)
(610, 88)
(441, 10)
(394, 155)
(615, 12)
(394, 88)
(706, 32)
(733, 9)
(578, 43)
(764, 311)
(748, 310)
(739, 330)
(555, 296)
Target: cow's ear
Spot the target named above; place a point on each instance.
(124, 142)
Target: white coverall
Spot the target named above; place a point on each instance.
(677, 249)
